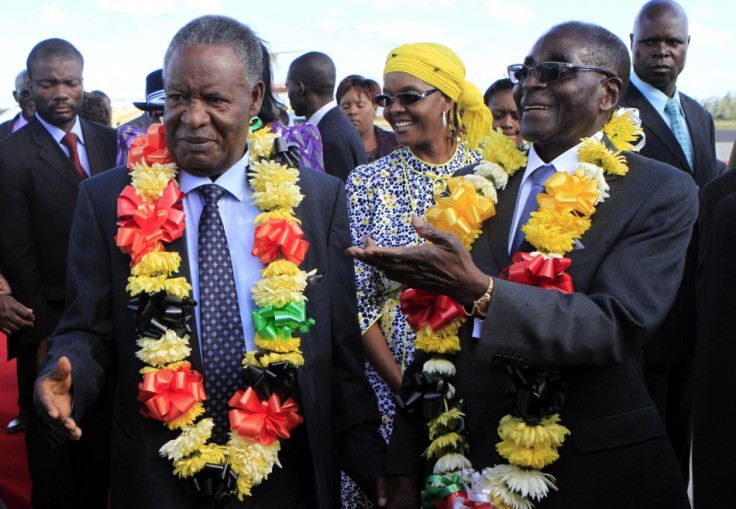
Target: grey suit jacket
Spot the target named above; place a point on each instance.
(97, 334)
(625, 279)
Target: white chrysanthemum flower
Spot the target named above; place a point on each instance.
(509, 498)
(595, 173)
(439, 366)
(451, 462)
(165, 350)
(494, 172)
(483, 186)
(527, 482)
(450, 391)
(189, 440)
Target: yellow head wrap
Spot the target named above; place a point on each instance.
(439, 66)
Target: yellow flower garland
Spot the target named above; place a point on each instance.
(276, 193)
(563, 217)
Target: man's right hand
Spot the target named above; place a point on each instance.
(53, 401)
(13, 315)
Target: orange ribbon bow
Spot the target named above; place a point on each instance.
(265, 420)
(279, 235)
(169, 394)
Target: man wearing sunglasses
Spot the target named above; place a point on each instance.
(24, 98)
(681, 133)
(625, 271)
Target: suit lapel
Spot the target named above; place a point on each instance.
(95, 156)
(655, 125)
(180, 246)
(50, 152)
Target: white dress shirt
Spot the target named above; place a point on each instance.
(57, 134)
(317, 115)
(658, 100)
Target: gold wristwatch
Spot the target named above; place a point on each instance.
(480, 306)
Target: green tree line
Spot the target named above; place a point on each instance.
(723, 108)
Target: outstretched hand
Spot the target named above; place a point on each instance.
(441, 266)
(53, 401)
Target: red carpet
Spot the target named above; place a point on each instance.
(15, 483)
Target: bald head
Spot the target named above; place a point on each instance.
(310, 82)
(659, 44)
(22, 95)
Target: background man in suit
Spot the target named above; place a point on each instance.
(212, 75)
(39, 183)
(681, 133)
(22, 95)
(311, 83)
(624, 285)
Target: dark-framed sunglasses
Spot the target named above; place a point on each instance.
(404, 98)
(549, 72)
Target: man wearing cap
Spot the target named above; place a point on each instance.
(41, 168)
(153, 106)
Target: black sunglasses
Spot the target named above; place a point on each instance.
(404, 98)
(549, 72)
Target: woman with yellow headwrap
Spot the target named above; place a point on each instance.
(438, 118)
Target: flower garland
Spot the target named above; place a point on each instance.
(150, 213)
(532, 434)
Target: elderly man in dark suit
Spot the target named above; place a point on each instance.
(24, 98)
(211, 77)
(625, 272)
(41, 167)
(681, 133)
(311, 84)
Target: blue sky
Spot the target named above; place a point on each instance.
(123, 40)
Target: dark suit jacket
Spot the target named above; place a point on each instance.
(625, 279)
(96, 332)
(713, 380)
(6, 128)
(38, 191)
(342, 147)
(676, 338)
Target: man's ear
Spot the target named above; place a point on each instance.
(612, 90)
(301, 88)
(256, 98)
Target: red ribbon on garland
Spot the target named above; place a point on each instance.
(422, 307)
(143, 226)
(168, 394)
(150, 148)
(538, 270)
(263, 420)
(279, 235)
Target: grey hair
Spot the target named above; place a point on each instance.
(221, 31)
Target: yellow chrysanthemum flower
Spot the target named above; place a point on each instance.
(284, 195)
(265, 174)
(166, 349)
(444, 340)
(210, 453)
(294, 358)
(150, 181)
(533, 457)
(188, 418)
(567, 192)
(282, 282)
(444, 422)
(252, 461)
(548, 433)
(500, 149)
(285, 214)
(260, 143)
(440, 444)
(553, 232)
(178, 287)
(594, 152)
(153, 369)
(622, 130)
(278, 345)
(189, 440)
(157, 263)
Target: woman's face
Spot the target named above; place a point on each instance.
(418, 124)
(505, 114)
(359, 109)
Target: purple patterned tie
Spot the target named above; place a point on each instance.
(539, 177)
(222, 330)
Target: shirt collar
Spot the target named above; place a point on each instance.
(58, 134)
(233, 179)
(317, 115)
(564, 162)
(656, 97)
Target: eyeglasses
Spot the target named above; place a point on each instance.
(549, 72)
(404, 98)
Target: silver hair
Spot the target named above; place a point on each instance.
(221, 31)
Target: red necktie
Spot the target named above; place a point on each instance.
(70, 141)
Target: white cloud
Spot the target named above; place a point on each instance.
(394, 5)
(703, 36)
(200, 7)
(515, 12)
(53, 15)
(138, 6)
(705, 13)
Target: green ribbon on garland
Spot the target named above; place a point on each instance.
(439, 487)
(272, 322)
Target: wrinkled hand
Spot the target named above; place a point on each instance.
(403, 493)
(14, 315)
(53, 401)
(444, 266)
(4, 286)
(381, 492)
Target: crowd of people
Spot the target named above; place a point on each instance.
(211, 306)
